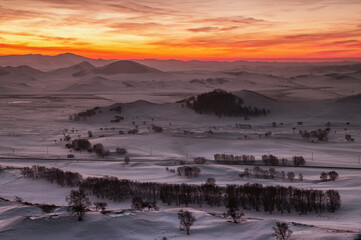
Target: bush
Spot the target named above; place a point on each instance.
(100, 150)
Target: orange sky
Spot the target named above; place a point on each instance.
(182, 29)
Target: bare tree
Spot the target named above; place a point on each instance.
(186, 219)
(282, 232)
(79, 202)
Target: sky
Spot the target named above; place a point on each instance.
(182, 29)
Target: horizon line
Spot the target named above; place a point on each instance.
(280, 59)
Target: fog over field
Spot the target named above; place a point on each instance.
(210, 131)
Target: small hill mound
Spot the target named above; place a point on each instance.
(125, 66)
(76, 70)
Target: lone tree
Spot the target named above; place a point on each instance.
(78, 202)
(282, 232)
(235, 214)
(186, 220)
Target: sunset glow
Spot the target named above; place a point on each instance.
(164, 29)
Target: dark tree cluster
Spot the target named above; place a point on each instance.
(298, 161)
(234, 159)
(79, 145)
(53, 175)
(157, 129)
(83, 115)
(222, 103)
(258, 172)
(270, 160)
(188, 171)
(100, 150)
(329, 176)
(319, 134)
(248, 196)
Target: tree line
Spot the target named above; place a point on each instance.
(271, 173)
(247, 196)
(250, 160)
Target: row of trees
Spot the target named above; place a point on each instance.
(271, 173)
(248, 196)
(234, 159)
(53, 175)
(319, 134)
(250, 159)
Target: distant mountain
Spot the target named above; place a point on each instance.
(125, 66)
(49, 63)
(23, 69)
(77, 70)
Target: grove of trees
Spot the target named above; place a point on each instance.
(222, 103)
